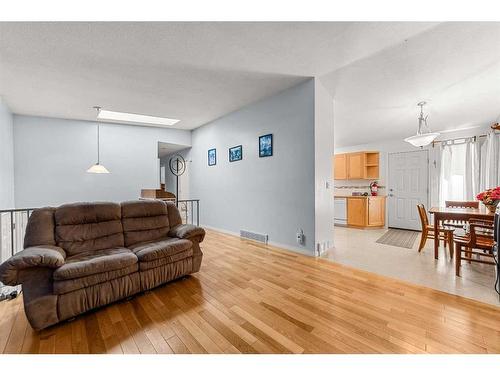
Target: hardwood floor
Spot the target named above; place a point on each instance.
(249, 298)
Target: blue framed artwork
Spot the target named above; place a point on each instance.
(236, 153)
(265, 145)
(212, 157)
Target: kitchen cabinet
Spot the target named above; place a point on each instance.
(356, 211)
(355, 166)
(376, 212)
(365, 211)
(340, 167)
(363, 165)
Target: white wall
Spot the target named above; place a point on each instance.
(323, 152)
(272, 195)
(6, 158)
(52, 155)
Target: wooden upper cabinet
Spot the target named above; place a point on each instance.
(340, 167)
(356, 166)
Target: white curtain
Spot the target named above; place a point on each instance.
(467, 168)
(435, 175)
(445, 183)
(460, 171)
(472, 169)
(490, 160)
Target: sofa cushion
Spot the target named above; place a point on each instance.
(84, 227)
(91, 263)
(144, 221)
(81, 300)
(66, 286)
(169, 248)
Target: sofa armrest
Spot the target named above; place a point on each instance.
(187, 231)
(36, 256)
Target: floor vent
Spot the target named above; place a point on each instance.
(254, 236)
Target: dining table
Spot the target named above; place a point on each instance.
(459, 214)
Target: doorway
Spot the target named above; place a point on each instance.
(408, 185)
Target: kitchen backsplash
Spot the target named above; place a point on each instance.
(349, 189)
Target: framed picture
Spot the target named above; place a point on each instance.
(265, 145)
(212, 157)
(236, 153)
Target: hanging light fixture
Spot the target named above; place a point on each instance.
(97, 167)
(424, 136)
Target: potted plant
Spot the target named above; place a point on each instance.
(490, 198)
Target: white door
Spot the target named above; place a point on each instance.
(408, 184)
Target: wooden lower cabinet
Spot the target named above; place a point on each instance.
(356, 211)
(376, 211)
(366, 211)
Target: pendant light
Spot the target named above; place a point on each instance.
(424, 136)
(97, 167)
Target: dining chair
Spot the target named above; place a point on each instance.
(479, 241)
(428, 231)
(459, 204)
(462, 204)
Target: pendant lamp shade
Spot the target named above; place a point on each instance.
(424, 136)
(97, 168)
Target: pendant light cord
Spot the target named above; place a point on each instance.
(98, 159)
(98, 109)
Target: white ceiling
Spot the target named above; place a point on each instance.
(194, 72)
(455, 67)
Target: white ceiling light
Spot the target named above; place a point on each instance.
(424, 136)
(135, 118)
(97, 167)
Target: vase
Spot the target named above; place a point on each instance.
(491, 207)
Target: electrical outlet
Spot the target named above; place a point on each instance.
(300, 237)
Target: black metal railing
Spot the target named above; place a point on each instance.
(189, 210)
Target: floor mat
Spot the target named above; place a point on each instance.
(399, 238)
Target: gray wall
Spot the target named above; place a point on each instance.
(6, 158)
(273, 195)
(52, 155)
(323, 153)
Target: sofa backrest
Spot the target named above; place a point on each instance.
(83, 227)
(144, 220)
(40, 229)
(174, 216)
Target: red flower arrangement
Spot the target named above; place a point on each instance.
(490, 197)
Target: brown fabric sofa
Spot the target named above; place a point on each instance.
(81, 256)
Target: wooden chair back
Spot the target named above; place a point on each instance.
(477, 245)
(424, 220)
(462, 204)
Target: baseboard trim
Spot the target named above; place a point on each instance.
(299, 250)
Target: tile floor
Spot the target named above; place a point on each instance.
(357, 248)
